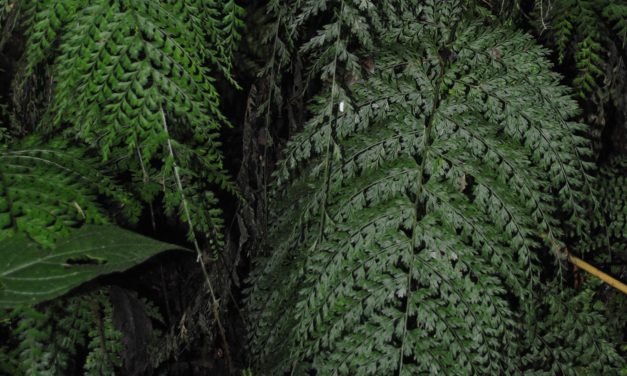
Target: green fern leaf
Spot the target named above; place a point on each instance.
(617, 14)
(123, 69)
(409, 211)
(576, 29)
(613, 199)
(571, 339)
(51, 337)
(46, 189)
(105, 345)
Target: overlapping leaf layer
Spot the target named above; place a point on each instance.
(133, 78)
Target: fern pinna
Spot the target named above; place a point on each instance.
(131, 77)
(409, 212)
(613, 197)
(49, 188)
(52, 337)
(586, 31)
(610, 245)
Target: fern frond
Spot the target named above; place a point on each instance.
(361, 23)
(434, 183)
(51, 338)
(45, 19)
(613, 198)
(33, 330)
(46, 189)
(576, 28)
(231, 25)
(616, 12)
(105, 342)
(572, 337)
(609, 246)
(118, 64)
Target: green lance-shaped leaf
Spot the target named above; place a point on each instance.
(30, 274)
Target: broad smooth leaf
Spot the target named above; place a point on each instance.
(30, 274)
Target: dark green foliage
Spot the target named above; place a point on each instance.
(571, 338)
(610, 225)
(588, 37)
(30, 275)
(574, 27)
(417, 217)
(51, 339)
(46, 189)
(130, 78)
(610, 244)
(136, 81)
(104, 345)
(583, 32)
(8, 18)
(288, 38)
(613, 198)
(5, 8)
(409, 212)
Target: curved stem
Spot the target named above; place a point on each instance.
(215, 305)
